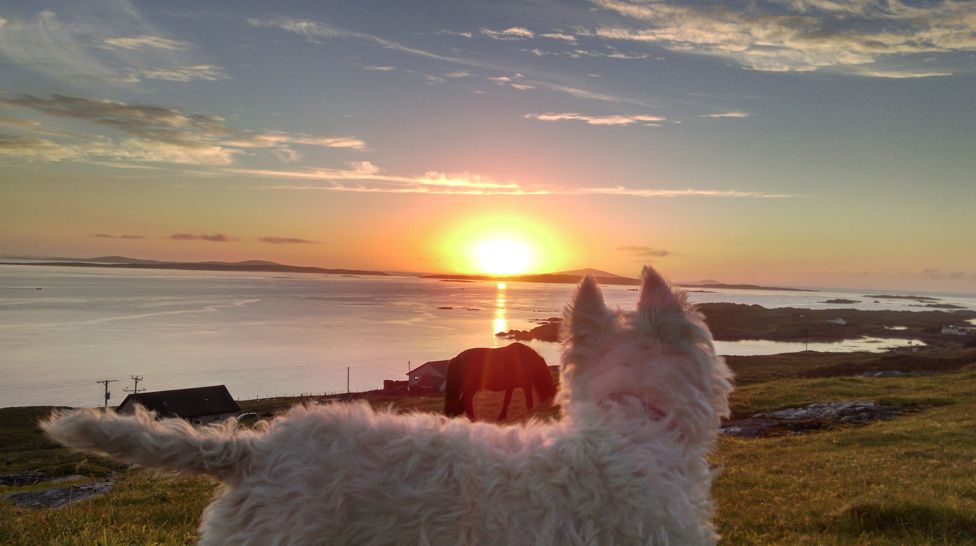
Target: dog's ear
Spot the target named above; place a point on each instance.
(656, 293)
(587, 314)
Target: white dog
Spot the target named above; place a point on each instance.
(642, 394)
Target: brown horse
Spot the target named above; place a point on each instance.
(500, 369)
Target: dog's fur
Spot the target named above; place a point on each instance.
(642, 394)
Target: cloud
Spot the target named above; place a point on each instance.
(81, 46)
(363, 176)
(687, 192)
(111, 236)
(155, 133)
(286, 241)
(31, 149)
(799, 35)
(186, 73)
(734, 114)
(455, 33)
(140, 42)
(559, 36)
(317, 32)
(511, 33)
(901, 75)
(367, 178)
(615, 120)
(386, 68)
(214, 238)
(935, 273)
(644, 251)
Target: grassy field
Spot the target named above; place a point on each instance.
(910, 480)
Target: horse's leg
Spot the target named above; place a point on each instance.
(508, 400)
(468, 404)
(527, 390)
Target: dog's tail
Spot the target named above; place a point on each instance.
(168, 444)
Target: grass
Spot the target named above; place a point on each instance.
(910, 480)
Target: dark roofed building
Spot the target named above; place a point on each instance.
(428, 377)
(199, 405)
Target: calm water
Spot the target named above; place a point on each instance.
(266, 334)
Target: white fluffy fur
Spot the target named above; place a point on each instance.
(642, 395)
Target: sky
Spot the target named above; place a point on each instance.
(797, 142)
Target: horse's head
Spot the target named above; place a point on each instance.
(658, 357)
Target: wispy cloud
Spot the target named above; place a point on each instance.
(799, 35)
(367, 178)
(81, 47)
(363, 176)
(733, 114)
(287, 241)
(687, 192)
(902, 74)
(157, 134)
(112, 236)
(186, 73)
(140, 42)
(455, 33)
(384, 68)
(613, 120)
(320, 31)
(213, 238)
(935, 273)
(511, 33)
(644, 251)
(559, 36)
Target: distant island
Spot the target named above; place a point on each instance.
(919, 299)
(257, 266)
(714, 284)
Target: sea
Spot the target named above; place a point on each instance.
(63, 329)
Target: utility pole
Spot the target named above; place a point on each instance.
(135, 385)
(347, 379)
(107, 393)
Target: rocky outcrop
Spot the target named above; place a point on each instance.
(818, 416)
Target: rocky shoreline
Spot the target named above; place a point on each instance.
(737, 322)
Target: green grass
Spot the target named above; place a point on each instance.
(905, 481)
(910, 480)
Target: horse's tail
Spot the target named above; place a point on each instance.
(452, 389)
(167, 444)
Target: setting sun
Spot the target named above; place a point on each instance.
(507, 243)
(503, 257)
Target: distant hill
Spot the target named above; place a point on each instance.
(588, 271)
(257, 266)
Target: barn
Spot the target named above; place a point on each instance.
(198, 405)
(428, 377)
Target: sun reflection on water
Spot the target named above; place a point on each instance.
(499, 323)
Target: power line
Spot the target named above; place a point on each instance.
(107, 393)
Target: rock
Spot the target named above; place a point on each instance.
(27, 477)
(59, 496)
(818, 416)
